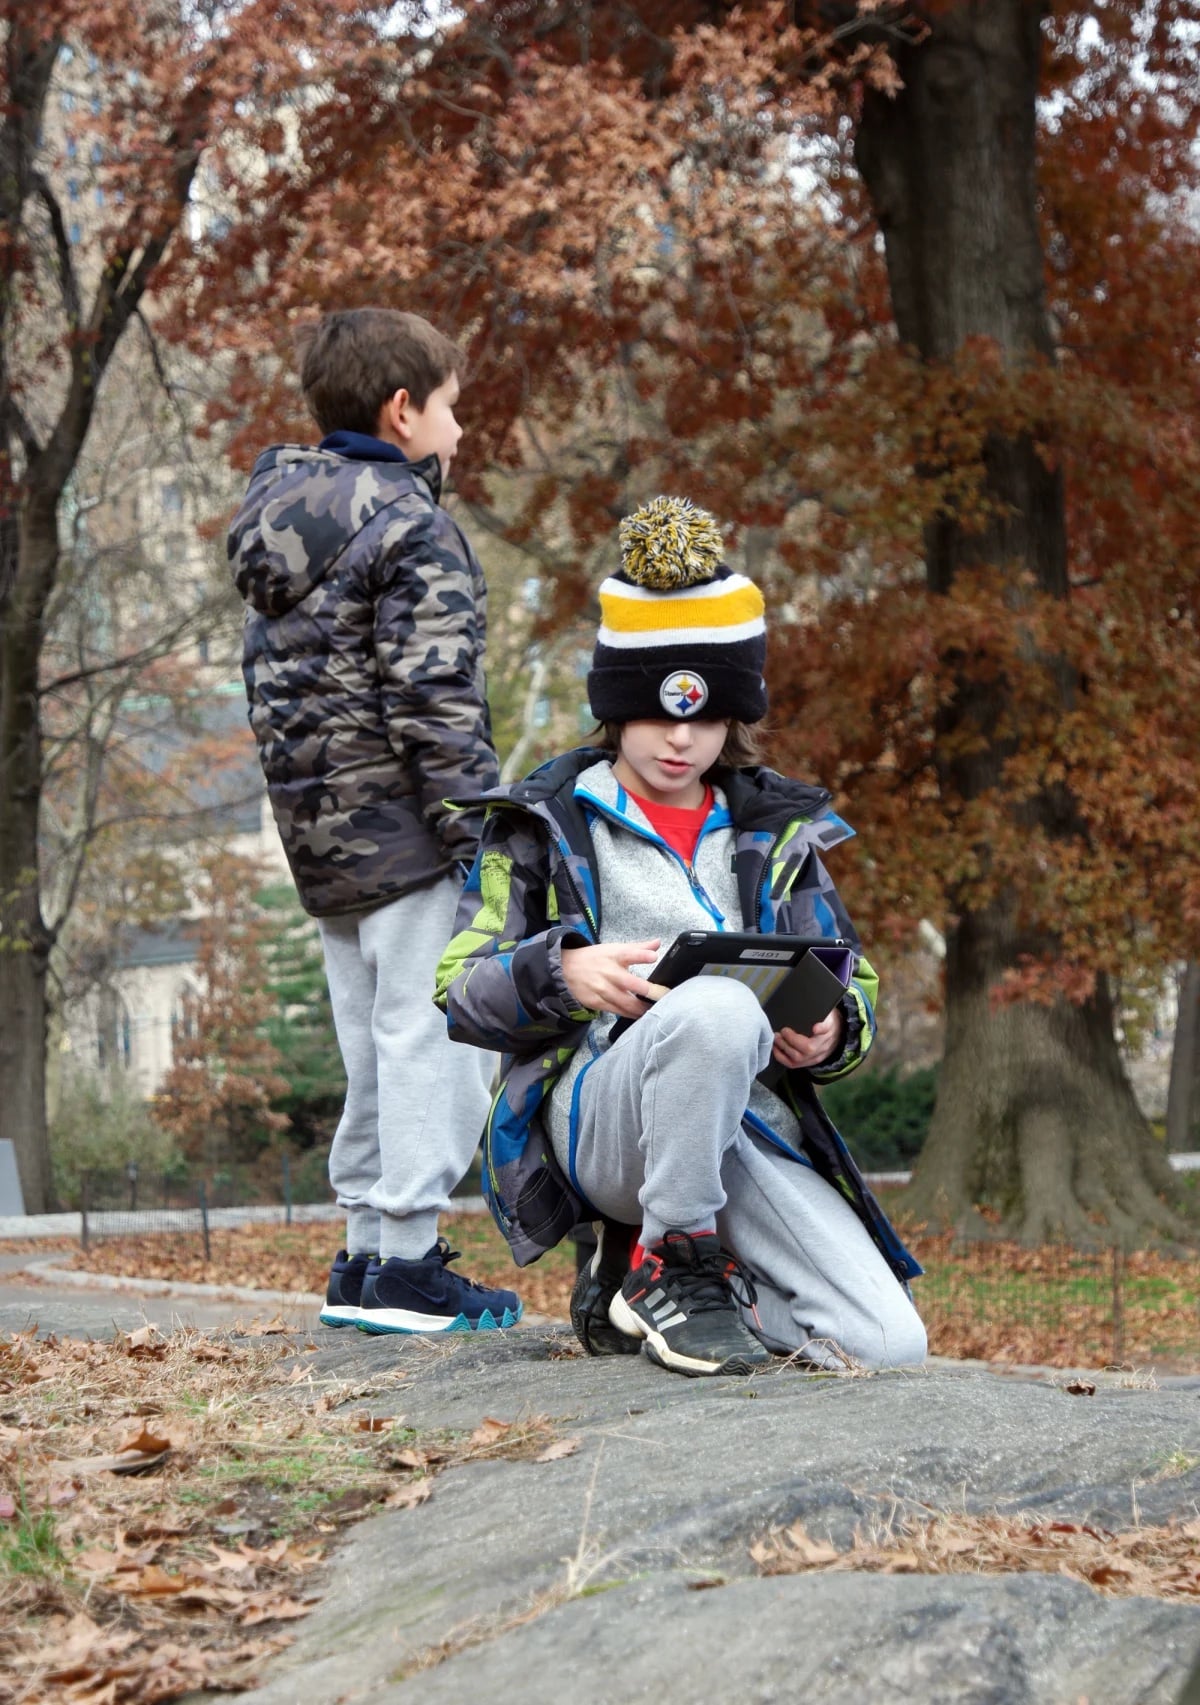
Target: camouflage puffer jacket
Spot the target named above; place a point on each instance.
(534, 891)
(363, 661)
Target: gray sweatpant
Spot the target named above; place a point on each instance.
(416, 1103)
(660, 1143)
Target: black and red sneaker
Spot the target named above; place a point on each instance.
(681, 1299)
(599, 1280)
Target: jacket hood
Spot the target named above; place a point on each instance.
(303, 508)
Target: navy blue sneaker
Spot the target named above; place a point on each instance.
(344, 1293)
(425, 1296)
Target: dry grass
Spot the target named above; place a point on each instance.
(1144, 1562)
(166, 1503)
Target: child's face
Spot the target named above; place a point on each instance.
(665, 761)
(428, 431)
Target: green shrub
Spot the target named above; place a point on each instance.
(884, 1117)
(101, 1124)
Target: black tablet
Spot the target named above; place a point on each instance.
(797, 979)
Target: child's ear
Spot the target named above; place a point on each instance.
(396, 414)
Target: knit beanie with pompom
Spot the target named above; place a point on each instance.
(681, 635)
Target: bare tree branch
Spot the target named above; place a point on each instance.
(131, 661)
(68, 282)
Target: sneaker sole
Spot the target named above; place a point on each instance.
(340, 1314)
(658, 1350)
(406, 1321)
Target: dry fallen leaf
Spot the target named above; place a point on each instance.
(276, 1610)
(1080, 1388)
(148, 1443)
(238, 1561)
(1104, 1574)
(82, 1640)
(808, 1550)
(153, 1580)
(406, 1497)
(560, 1448)
(490, 1430)
(268, 1328)
(206, 1352)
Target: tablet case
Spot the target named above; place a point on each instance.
(798, 980)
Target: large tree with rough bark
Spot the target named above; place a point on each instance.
(181, 113)
(907, 293)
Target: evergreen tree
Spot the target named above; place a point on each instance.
(300, 1026)
(217, 1099)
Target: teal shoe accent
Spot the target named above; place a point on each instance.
(487, 1322)
(426, 1297)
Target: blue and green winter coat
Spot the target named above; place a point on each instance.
(534, 891)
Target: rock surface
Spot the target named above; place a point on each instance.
(524, 1583)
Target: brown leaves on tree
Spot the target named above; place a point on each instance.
(1010, 743)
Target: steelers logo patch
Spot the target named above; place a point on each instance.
(683, 693)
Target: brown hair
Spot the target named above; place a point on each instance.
(352, 361)
(741, 743)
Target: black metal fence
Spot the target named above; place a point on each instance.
(134, 1201)
(1065, 1306)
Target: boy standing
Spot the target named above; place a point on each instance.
(363, 661)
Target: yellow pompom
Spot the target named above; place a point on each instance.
(669, 543)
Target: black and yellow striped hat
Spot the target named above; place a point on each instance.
(681, 635)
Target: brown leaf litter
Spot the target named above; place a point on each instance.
(166, 1503)
(1143, 1562)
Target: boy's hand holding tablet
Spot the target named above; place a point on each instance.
(600, 977)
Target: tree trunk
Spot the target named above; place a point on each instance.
(1034, 1114)
(24, 939)
(1183, 1088)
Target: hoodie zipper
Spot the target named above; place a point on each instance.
(688, 868)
